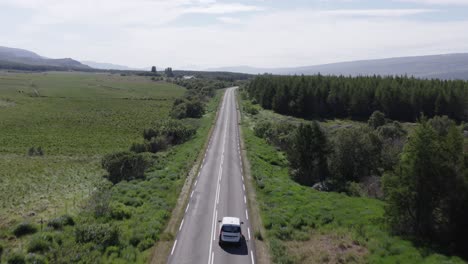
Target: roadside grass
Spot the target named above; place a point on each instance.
(40, 187)
(75, 118)
(139, 209)
(334, 227)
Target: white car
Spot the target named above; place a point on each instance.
(230, 230)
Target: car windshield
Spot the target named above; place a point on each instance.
(231, 228)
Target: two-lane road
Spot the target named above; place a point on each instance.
(218, 191)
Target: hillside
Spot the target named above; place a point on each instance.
(449, 66)
(108, 66)
(12, 58)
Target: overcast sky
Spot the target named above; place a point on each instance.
(213, 33)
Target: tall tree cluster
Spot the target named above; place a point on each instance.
(399, 98)
(427, 194)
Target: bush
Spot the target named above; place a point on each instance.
(1, 251)
(16, 258)
(377, 119)
(192, 107)
(59, 222)
(36, 259)
(157, 144)
(138, 148)
(250, 108)
(262, 129)
(119, 211)
(103, 235)
(145, 244)
(125, 166)
(24, 229)
(175, 131)
(39, 244)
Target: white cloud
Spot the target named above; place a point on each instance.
(376, 12)
(230, 20)
(438, 2)
(222, 9)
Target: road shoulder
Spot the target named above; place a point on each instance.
(261, 246)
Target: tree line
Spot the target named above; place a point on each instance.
(399, 98)
(423, 176)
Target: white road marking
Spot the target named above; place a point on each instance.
(246, 215)
(196, 183)
(248, 230)
(186, 209)
(181, 224)
(213, 224)
(191, 195)
(214, 234)
(243, 187)
(245, 200)
(251, 256)
(173, 247)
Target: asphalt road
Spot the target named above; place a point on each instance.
(218, 191)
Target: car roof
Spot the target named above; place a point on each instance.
(231, 221)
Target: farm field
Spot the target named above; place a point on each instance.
(74, 118)
(303, 225)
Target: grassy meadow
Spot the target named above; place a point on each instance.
(74, 118)
(307, 226)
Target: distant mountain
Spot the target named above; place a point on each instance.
(449, 66)
(109, 66)
(24, 59)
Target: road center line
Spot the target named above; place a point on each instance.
(248, 230)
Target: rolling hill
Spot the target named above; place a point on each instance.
(12, 58)
(449, 66)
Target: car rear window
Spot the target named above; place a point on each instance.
(231, 229)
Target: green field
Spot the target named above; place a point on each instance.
(75, 118)
(307, 226)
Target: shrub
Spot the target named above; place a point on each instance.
(376, 120)
(1, 251)
(125, 166)
(175, 131)
(119, 211)
(138, 148)
(355, 189)
(24, 229)
(195, 109)
(36, 259)
(391, 131)
(250, 108)
(39, 244)
(103, 235)
(145, 244)
(157, 144)
(262, 128)
(59, 222)
(16, 258)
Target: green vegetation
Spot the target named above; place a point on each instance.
(55, 129)
(399, 98)
(308, 226)
(427, 193)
